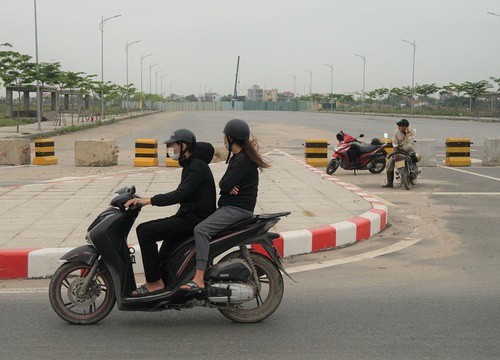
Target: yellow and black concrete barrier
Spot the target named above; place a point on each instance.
(171, 162)
(458, 152)
(45, 152)
(146, 152)
(316, 152)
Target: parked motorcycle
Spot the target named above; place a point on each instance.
(244, 285)
(352, 154)
(406, 168)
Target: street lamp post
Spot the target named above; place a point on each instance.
(142, 58)
(156, 81)
(101, 27)
(331, 77)
(127, 85)
(150, 91)
(38, 95)
(170, 90)
(414, 45)
(331, 84)
(294, 80)
(364, 71)
(310, 81)
(161, 83)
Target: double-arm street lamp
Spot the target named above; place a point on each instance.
(101, 27)
(414, 45)
(364, 72)
(127, 85)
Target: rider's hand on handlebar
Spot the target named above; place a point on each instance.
(135, 202)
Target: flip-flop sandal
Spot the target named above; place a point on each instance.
(193, 287)
(143, 291)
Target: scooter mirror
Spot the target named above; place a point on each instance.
(386, 136)
(361, 135)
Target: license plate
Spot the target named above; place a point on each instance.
(400, 164)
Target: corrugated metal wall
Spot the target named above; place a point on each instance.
(238, 105)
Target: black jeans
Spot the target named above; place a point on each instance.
(171, 230)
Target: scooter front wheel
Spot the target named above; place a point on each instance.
(77, 305)
(377, 168)
(332, 166)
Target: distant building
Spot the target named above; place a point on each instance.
(270, 95)
(255, 93)
(286, 96)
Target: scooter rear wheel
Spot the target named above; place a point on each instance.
(89, 307)
(332, 166)
(269, 298)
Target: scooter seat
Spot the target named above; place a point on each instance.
(363, 149)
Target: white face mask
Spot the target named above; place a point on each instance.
(172, 154)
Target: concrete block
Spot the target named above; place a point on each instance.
(15, 152)
(92, 152)
(427, 148)
(491, 154)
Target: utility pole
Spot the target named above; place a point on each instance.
(235, 94)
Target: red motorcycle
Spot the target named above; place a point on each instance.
(352, 154)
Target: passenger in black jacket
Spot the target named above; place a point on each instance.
(238, 194)
(196, 196)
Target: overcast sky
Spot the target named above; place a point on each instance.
(197, 42)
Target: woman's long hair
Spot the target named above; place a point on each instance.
(251, 148)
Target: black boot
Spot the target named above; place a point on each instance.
(390, 180)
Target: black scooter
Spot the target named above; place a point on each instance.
(245, 286)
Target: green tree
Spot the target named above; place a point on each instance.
(194, 98)
(14, 71)
(497, 81)
(474, 90)
(426, 90)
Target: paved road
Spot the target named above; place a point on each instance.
(435, 299)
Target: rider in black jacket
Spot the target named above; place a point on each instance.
(196, 196)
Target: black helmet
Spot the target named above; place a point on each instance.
(237, 129)
(182, 135)
(403, 122)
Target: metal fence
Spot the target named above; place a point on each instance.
(239, 105)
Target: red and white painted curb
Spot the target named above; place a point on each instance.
(339, 234)
(35, 263)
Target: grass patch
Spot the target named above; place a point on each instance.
(12, 122)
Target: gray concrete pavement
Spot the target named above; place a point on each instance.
(56, 213)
